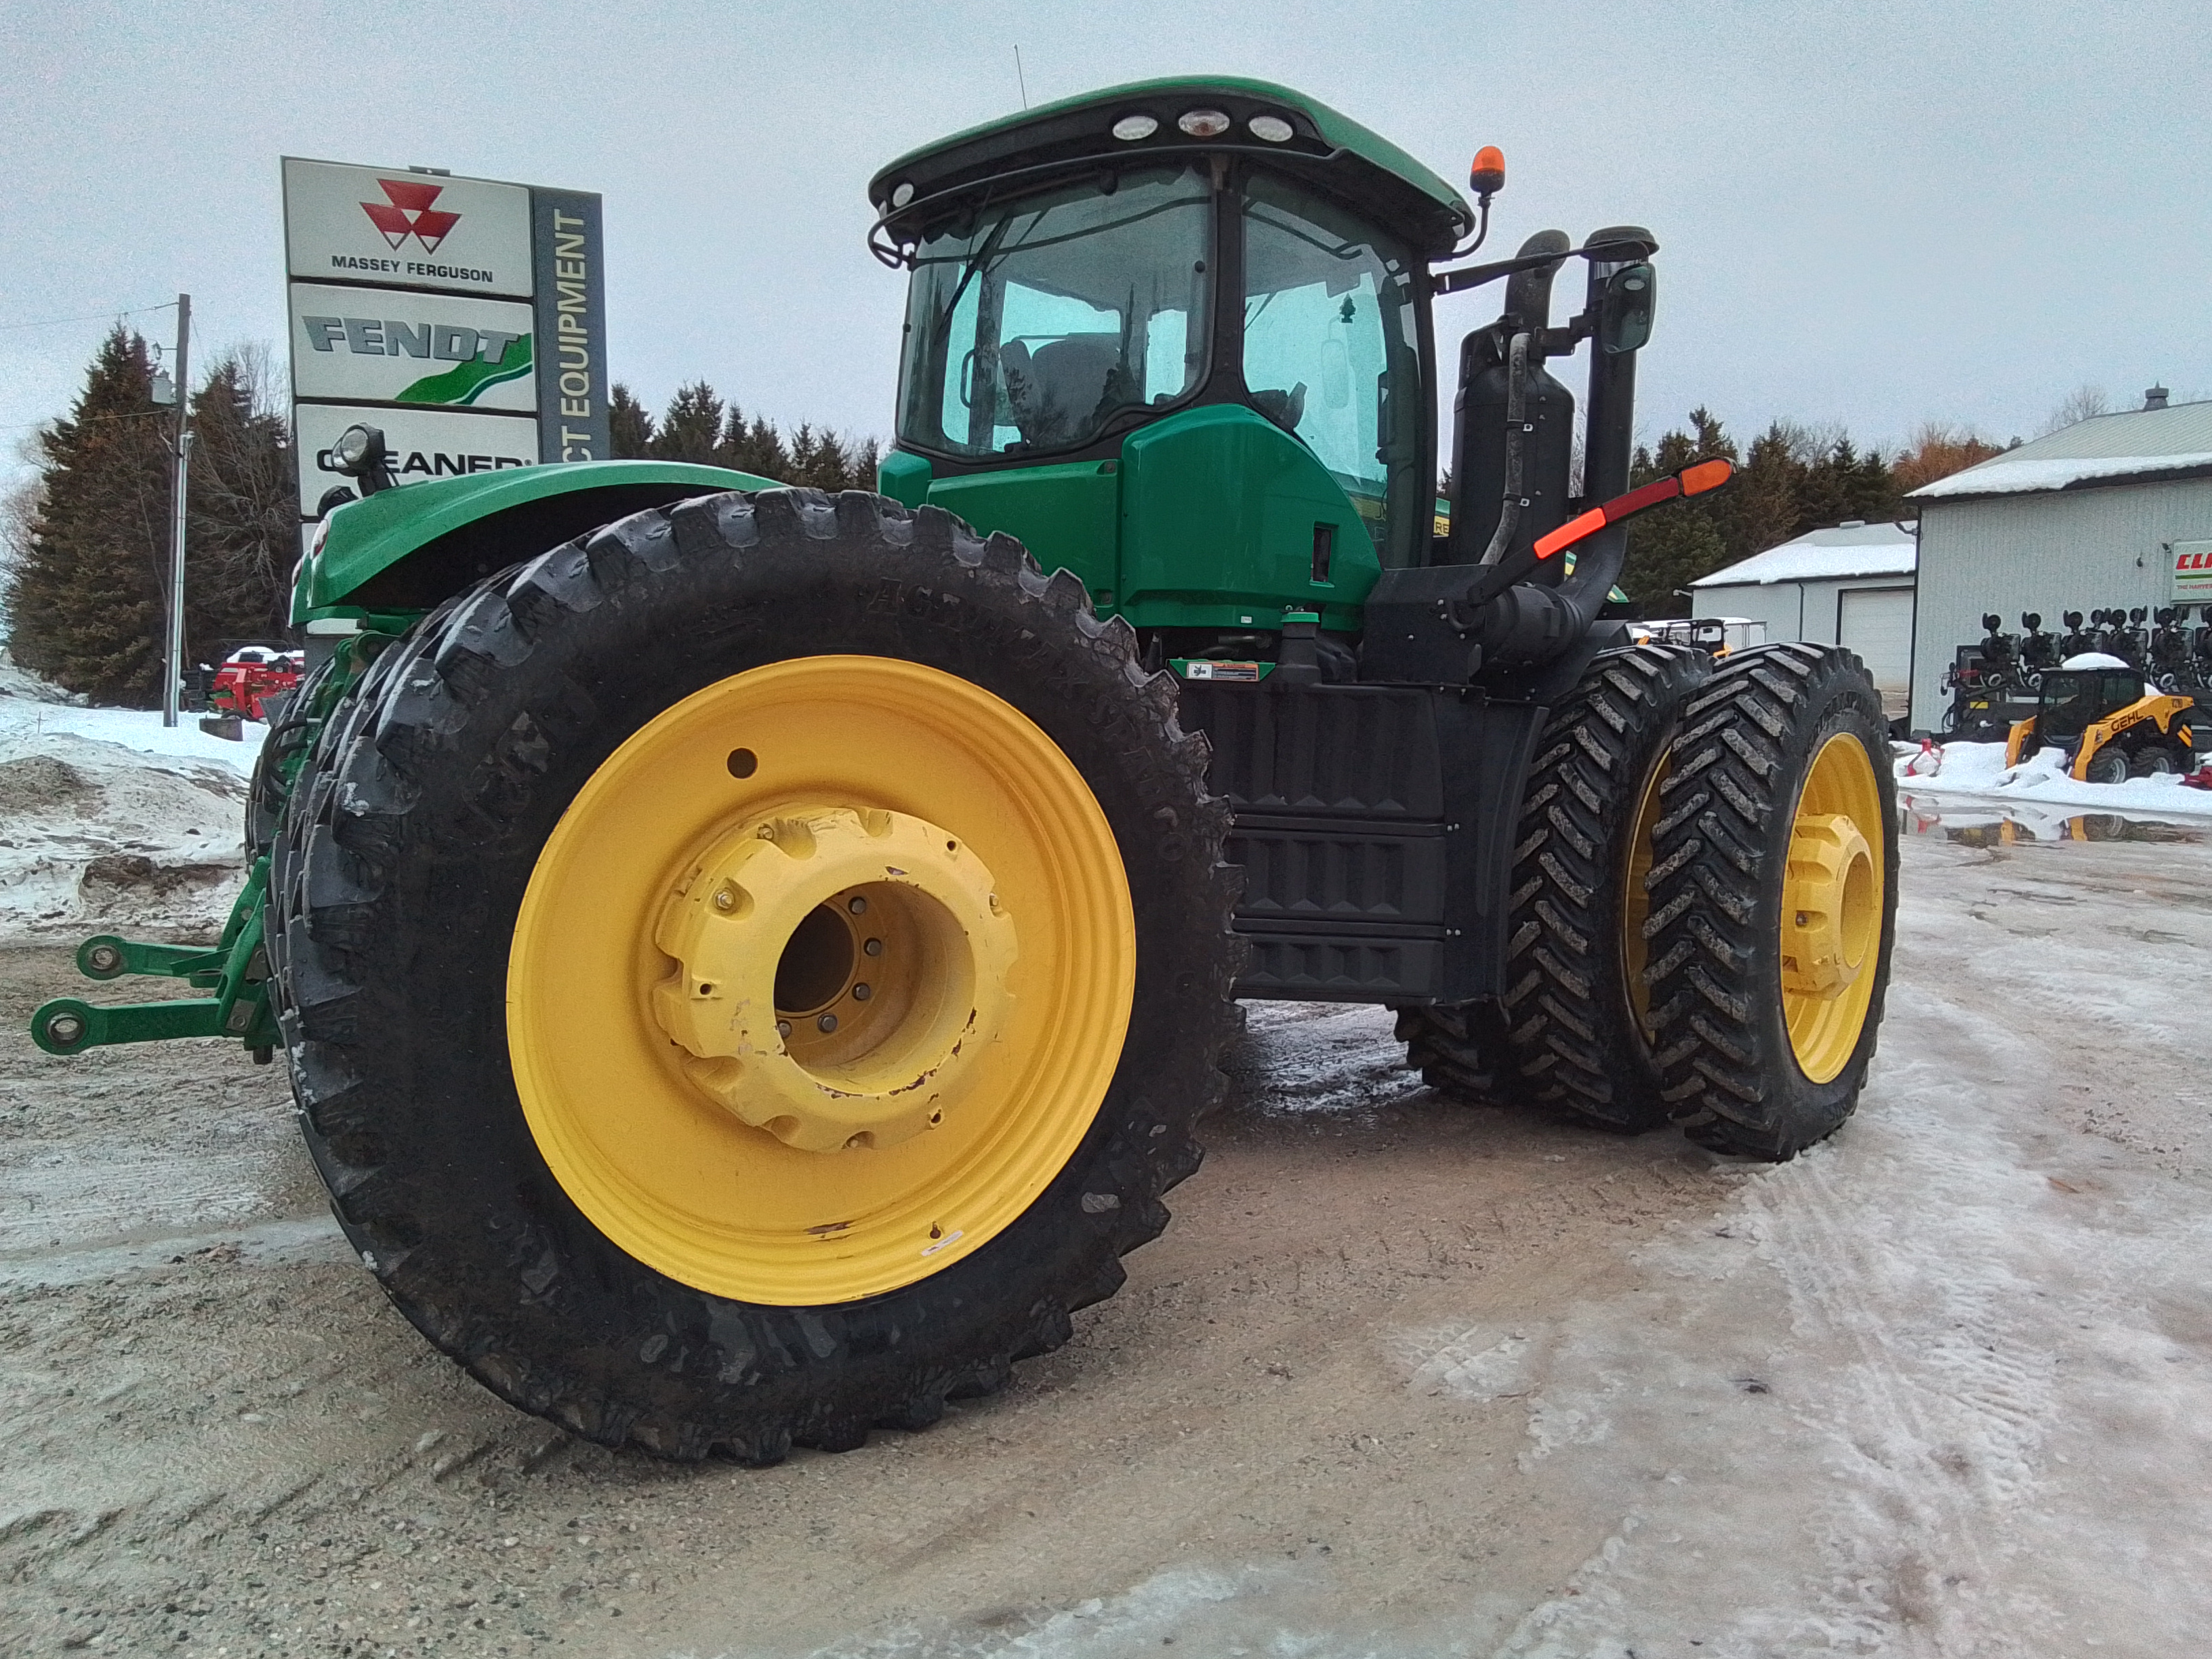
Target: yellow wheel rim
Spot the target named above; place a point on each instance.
(820, 980)
(1636, 899)
(1832, 907)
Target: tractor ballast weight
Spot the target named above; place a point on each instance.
(750, 962)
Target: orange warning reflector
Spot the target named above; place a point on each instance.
(1570, 532)
(1692, 480)
(1705, 475)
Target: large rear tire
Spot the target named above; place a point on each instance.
(1773, 899)
(750, 974)
(1570, 1033)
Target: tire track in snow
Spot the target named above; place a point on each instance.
(1957, 1312)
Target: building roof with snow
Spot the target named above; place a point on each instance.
(1855, 549)
(2136, 445)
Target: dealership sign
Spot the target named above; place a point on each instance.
(464, 317)
(2192, 573)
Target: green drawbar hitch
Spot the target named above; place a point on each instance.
(236, 969)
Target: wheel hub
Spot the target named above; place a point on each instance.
(836, 974)
(1829, 906)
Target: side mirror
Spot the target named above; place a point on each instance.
(1624, 309)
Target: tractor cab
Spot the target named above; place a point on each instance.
(1176, 337)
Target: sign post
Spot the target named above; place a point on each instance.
(173, 656)
(464, 317)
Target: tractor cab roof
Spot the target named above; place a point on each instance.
(1183, 116)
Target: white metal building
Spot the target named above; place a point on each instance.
(2115, 511)
(1851, 585)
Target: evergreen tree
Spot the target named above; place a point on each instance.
(700, 426)
(692, 428)
(1670, 549)
(244, 538)
(1765, 493)
(630, 428)
(86, 602)
(754, 446)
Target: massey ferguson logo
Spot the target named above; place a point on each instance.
(410, 213)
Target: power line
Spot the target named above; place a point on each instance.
(92, 316)
(87, 420)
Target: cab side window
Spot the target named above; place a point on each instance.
(1332, 352)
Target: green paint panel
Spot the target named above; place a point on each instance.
(1065, 515)
(904, 477)
(366, 537)
(1219, 508)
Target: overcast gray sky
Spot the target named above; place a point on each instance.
(1873, 215)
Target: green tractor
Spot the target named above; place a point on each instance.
(752, 961)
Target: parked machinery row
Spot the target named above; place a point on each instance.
(1995, 681)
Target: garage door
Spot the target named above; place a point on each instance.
(1877, 624)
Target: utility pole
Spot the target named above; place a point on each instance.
(173, 685)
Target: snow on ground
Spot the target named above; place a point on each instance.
(1974, 1325)
(1979, 769)
(111, 821)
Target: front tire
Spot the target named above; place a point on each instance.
(1774, 901)
(615, 1121)
(2108, 765)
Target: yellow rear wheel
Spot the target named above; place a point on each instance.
(1774, 900)
(812, 1032)
(1832, 907)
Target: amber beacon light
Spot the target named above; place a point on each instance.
(1488, 176)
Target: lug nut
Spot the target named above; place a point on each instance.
(857, 905)
(783, 1028)
(725, 899)
(875, 947)
(861, 992)
(827, 1023)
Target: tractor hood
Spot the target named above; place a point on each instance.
(407, 548)
(1331, 150)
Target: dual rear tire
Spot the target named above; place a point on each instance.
(1569, 1034)
(1703, 904)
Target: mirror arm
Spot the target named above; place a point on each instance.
(1453, 282)
(1560, 341)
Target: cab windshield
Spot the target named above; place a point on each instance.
(1032, 328)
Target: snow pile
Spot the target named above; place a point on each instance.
(22, 682)
(1979, 769)
(2001, 477)
(111, 823)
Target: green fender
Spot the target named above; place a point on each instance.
(408, 548)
